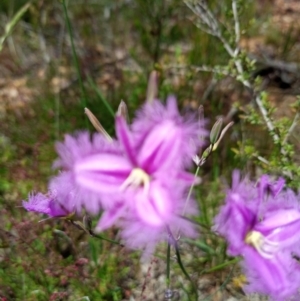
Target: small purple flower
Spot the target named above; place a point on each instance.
(46, 204)
(262, 224)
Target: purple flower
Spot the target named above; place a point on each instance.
(141, 171)
(46, 204)
(139, 179)
(262, 224)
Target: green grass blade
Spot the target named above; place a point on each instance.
(10, 26)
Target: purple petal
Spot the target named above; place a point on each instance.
(109, 217)
(81, 145)
(102, 173)
(278, 219)
(233, 222)
(266, 186)
(56, 209)
(273, 277)
(45, 204)
(74, 197)
(188, 178)
(125, 138)
(156, 114)
(282, 226)
(155, 206)
(277, 186)
(161, 148)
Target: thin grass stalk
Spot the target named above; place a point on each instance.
(75, 58)
(190, 191)
(106, 239)
(188, 197)
(11, 24)
(222, 265)
(179, 261)
(168, 264)
(174, 242)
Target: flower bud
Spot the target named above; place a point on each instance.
(123, 111)
(152, 86)
(96, 123)
(216, 131)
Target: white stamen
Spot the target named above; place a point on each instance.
(265, 247)
(137, 177)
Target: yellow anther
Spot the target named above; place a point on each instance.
(265, 247)
(254, 238)
(137, 178)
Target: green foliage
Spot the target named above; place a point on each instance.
(154, 27)
(11, 5)
(6, 154)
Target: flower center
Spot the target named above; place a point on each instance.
(265, 247)
(138, 177)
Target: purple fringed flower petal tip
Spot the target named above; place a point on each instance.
(263, 227)
(190, 133)
(136, 234)
(46, 204)
(74, 197)
(81, 145)
(266, 185)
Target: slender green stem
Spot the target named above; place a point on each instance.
(178, 256)
(75, 58)
(188, 197)
(106, 239)
(173, 241)
(203, 209)
(168, 264)
(190, 191)
(80, 226)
